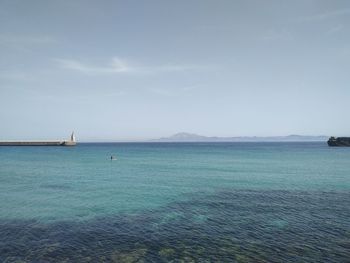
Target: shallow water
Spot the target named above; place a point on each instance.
(188, 202)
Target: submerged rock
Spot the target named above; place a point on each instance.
(167, 252)
(135, 256)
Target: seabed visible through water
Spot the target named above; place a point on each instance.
(175, 203)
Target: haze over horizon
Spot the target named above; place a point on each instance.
(138, 70)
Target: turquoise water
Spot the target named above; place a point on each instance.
(160, 202)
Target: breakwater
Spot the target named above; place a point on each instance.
(70, 142)
(37, 143)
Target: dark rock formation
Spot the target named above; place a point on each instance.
(339, 141)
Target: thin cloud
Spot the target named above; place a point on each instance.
(277, 35)
(326, 15)
(173, 68)
(120, 66)
(173, 92)
(26, 40)
(116, 66)
(335, 29)
(15, 76)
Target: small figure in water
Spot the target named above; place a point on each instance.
(113, 158)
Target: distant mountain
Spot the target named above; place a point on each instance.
(191, 137)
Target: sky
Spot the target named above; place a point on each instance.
(137, 70)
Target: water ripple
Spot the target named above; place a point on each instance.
(228, 226)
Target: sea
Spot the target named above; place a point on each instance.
(175, 202)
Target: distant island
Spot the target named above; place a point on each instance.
(191, 137)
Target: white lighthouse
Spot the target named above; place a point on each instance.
(71, 142)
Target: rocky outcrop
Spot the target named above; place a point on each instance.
(339, 141)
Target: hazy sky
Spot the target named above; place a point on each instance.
(126, 70)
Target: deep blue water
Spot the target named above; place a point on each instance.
(175, 202)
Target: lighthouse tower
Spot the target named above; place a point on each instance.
(71, 142)
(72, 137)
